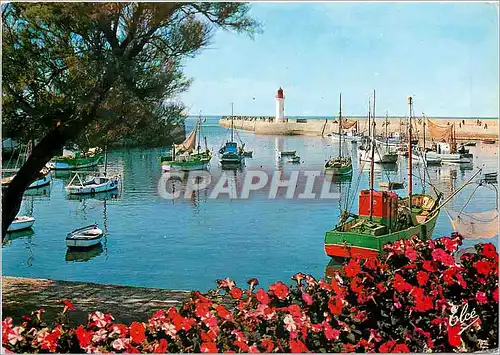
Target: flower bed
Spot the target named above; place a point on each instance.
(415, 298)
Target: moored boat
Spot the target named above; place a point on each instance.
(295, 159)
(340, 165)
(230, 154)
(188, 155)
(84, 237)
(287, 152)
(93, 185)
(20, 223)
(77, 160)
(383, 217)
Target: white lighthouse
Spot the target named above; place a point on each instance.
(280, 106)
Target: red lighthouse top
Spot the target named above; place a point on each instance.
(279, 95)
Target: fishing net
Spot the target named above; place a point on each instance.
(346, 124)
(438, 132)
(474, 225)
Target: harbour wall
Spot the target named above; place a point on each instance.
(265, 125)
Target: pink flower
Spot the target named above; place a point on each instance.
(120, 344)
(289, 323)
(446, 259)
(330, 333)
(307, 298)
(209, 348)
(226, 283)
(15, 335)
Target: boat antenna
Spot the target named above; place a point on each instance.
(372, 164)
(232, 121)
(410, 175)
(199, 133)
(340, 126)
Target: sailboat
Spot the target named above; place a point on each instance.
(230, 155)
(421, 157)
(188, 155)
(95, 184)
(383, 217)
(371, 150)
(341, 165)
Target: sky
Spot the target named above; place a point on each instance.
(445, 55)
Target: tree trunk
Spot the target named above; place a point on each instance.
(41, 155)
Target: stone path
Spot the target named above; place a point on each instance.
(21, 296)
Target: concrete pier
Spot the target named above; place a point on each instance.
(317, 127)
(21, 296)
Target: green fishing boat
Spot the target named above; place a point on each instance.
(341, 165)
(383, 217)
(77, 160)
(188, 155)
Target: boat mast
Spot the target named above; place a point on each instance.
(386, 134)
(105, 159)
(232, 121)
(340, 127)
(199, 134)
(410, 177)
(372, 160)
(369, 117)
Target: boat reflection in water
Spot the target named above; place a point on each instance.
(334, 265)
(83, 254)
(107, 195)
(17, 235)
(38, 192)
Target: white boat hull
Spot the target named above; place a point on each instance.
(110, 185)
(21, 223)
(82, 243)
(366, 156)
(172, 167)
(44, 181)
(450, 158)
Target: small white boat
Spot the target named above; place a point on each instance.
(93, 185)
(287, 152)
(295, 159)
(84, 237)
(423, 158)
(44, 179)
(20, 223)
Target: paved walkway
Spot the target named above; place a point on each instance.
(21, 296)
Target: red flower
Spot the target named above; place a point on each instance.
(482, 267)
(495, 295)
(223, 312)
(209, 348)
(422, 278)
(387, 346)
(348, 348)
(371, 263)
(428, 266)
(411, 254)
(68, 304)
(279, 289)
(488, 250)
(454, 337)
(83, 336)
(423, 303)
(330, 333)
(296, 346)
(137, 332)
(243, 347)
(307, 298)
(268, 344)
(449, 244)
(161, 348)
(262, 296)
(236, 293)
(448, 276)
(400, 284)
(481, 297)
(446, 259)
(400, 348)
(132, 350)
(352, 268)
(335, 305)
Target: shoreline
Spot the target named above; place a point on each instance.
(465, 129)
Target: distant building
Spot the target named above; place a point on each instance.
(280, 106)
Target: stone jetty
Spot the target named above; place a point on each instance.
(466, 128)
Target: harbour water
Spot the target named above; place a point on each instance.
(189, 243)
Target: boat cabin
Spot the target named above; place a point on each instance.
(231, 147)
